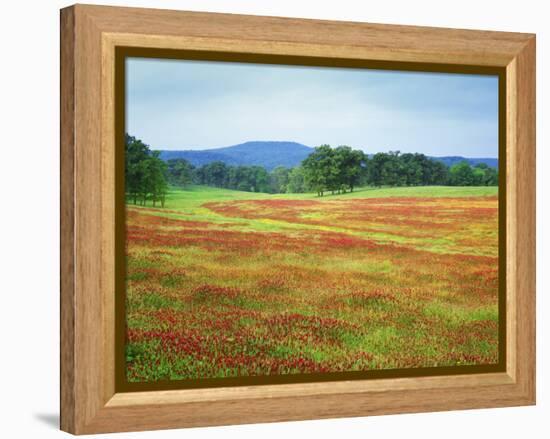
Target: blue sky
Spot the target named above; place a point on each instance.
(173, 104)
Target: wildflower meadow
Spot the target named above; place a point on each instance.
(224, 283)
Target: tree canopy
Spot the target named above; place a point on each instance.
(462, 174)
(145, 173)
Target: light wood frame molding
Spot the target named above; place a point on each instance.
(89, 36)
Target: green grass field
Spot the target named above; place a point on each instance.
(226, 283)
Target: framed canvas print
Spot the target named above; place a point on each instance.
(268, 219)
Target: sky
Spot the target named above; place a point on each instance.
(176, 105)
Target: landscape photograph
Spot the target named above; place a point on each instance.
(286, 220)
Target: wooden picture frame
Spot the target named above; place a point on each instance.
(90, 36)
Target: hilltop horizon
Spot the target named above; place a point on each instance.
(364, 149)
(273, 153)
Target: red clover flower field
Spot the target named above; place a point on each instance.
(224, 283)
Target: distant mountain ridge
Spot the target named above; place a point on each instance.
(268, 154)
(453, 160)
(271, 154)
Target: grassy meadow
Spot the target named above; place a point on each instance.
(222, 283)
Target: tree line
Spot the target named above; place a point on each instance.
(335, 170)
(342, 168)
(145, 173)
(326, 169)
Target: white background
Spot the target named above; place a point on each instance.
(29, 216)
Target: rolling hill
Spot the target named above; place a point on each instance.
(266, 154)
(271, 154)
(453, 160)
